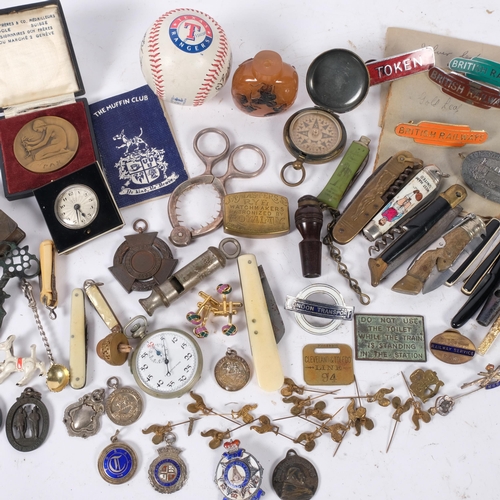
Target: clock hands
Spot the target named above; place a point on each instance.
(167, 362)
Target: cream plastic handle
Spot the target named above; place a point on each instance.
(77, 343)
(267, 364)
(48, 294)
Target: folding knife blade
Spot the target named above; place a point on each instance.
(438, 278)
(492, 231)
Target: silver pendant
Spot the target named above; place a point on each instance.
(295, 478)
(232, 372)
(168, 472)
(117, 462)
(27, 423)
(124, 405)
(82, 419)
(239, 474)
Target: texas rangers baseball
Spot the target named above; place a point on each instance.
(185, 57)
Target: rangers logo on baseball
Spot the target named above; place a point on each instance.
(185, 57)
(186, 32)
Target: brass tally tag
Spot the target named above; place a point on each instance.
(328, 364)
(256, 215)
(381, 337)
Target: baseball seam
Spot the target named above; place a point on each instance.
(154, 57)
(215, 69)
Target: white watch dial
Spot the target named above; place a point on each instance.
(167, 363)
(76, 206)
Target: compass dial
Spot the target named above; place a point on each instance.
(315, 132)
(76, 206)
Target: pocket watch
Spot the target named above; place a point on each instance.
(78, 208)
(167, 362)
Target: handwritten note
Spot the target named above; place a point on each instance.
(417, 98)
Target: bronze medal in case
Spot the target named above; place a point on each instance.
(46, 144)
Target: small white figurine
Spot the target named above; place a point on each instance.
(13, 364)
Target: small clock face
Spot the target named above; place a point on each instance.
(76, 206)
(167, 363)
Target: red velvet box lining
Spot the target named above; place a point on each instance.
(18, 181)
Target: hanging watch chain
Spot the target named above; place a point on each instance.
(337, 257)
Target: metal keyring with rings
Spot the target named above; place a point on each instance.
(297, 165)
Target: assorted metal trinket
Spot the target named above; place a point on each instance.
(27, 422)
(239, 475)
(11, 364)
(394, 337)
(57, 376)
(452, 347)
(303, 307)
(15, 262)
(295, 478)
(82, 419)
(168, 472)
(328, 364)
(425, 273)
(416, 193)
(124, 405)
(480, 173)
(256, 215)
(181, 235)
(423, 229)
(232, 372)
(209, 305)
(190, 275)
(117, 463)
(385, 181)
(143, 260)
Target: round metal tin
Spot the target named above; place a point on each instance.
(452, 347)
(338, 80)
(295, 478)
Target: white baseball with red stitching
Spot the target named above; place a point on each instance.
(185, 57)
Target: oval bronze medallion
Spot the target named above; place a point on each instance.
(27, 423)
